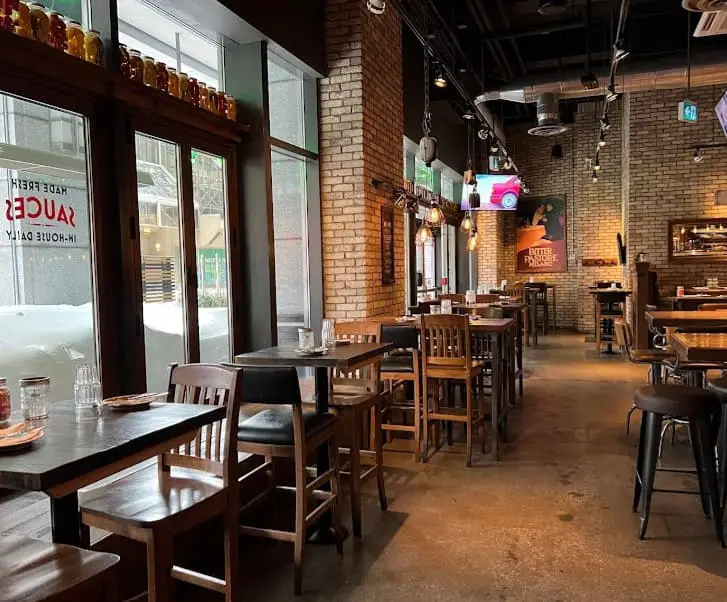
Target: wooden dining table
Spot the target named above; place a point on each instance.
(686, 319)
(81, 447)
(692, 302)
(700, 347)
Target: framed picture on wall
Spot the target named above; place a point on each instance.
(541, 235)
(387, 245)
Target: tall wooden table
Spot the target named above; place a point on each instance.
(82, 447)
(692, 302)
(686, 319)
(700, 347)
(601, 296)
(342, 357)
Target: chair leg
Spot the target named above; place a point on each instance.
(231, 542)
(159, 568)
(379, 451)
(417, 421)
(704, 443)
(694, 437)
(481, 416)
(651, 448)
(425, 406)
(336, 491)
(301, 511)
(628, 418)
(639, 465)
(470, 434)
(355, 461)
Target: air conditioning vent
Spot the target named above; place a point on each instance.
(703, 6)
(548, 117)
(711, 24)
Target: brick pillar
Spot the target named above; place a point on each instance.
(361, 139)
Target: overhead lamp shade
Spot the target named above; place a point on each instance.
(428, 149)
(376, 6)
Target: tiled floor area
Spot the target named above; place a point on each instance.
(550, 522)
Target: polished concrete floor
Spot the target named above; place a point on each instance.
(551, 521)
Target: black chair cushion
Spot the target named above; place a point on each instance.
(403, 336)
(676, 400)
(275, 426)
(719, 388)
(398, 362)
(652, 356)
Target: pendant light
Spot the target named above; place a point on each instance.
(428, 143)
(436, 216)
(424, 233)
(469, 174)
(467, 223)
(472, 240)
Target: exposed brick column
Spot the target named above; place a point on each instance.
(361, 139)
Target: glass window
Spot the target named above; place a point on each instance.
(424, 176)
(162, 270)
(159, 34)
(46, 285)
(447, 187)
(291, 244)
(210, 201)
(285, 88)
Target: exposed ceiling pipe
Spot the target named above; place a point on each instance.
(707, 70)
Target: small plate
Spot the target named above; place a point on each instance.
(130, 403)
(315, 352)
(19, 436)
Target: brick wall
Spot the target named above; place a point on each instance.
(361, 138)
(665, 184)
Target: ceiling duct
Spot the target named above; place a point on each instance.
(707, 70)
(548, 117)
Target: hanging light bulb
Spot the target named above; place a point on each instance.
(435, 215)
(605, 123)
(611, 94)
(597, 164)
(602, 139)
(595, 176)
(439, 80)
(424, 233)
(472, 240)
(466, 224)
(619, 51)
(698, 155)
(508, 163)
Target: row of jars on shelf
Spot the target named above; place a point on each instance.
(35, 22)
(156, 74)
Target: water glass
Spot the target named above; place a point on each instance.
(470, 297)
(87, 386)
(328, 333)
(34, 392)
(306, 340)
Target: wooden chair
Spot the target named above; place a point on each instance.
(35, 571)
(399, 367)
(486, 298)
(355, 395)
(453, 297)
(517, 289)
(287, 431)
(203, 485)
(447, 356)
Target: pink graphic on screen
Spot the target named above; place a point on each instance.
(496, 193)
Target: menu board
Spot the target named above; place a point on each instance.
(387, 245)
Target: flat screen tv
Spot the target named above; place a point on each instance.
(496, 193)
(721, 110)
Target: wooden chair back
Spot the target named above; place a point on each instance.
(402, 336)
(446, 342)
(515, 290)
(712, 306)
(214, 449)
(453, 297)
(490, 312)
(486, 298)
(366, 376)
(624, 334)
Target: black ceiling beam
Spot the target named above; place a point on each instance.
(513, 42)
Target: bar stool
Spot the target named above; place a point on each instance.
(697, 406)
(719, 388)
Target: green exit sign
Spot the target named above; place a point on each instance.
(688, 111)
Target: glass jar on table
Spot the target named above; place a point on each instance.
(328, 333)
(306, 341)
(34, 392)
(5, 407)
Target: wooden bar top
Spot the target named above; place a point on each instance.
(700, 347)
(690, 319)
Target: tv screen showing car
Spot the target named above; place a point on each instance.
(491, 193)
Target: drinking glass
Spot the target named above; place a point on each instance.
(328, 333)
(305, 339)
(87, 386)
(34, 392)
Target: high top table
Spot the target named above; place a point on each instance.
(686, 319)
(692, 302)
(700, 347)
(600, 297)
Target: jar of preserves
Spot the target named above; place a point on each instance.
(39, 23)
(34, 392)
(150, 72)
(4, 401)
(184, 86)
(136, 66)
(94, 47)
(222, 103)
(22, 21)
(75, 40)
(162, 77)
(213, 100)
(57, 31)
(193, 91)
(204, 96)
(231, 107)
(173, 82)
(124, 64)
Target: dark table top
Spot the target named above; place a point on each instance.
(76, 444)
(608, 291)
(700, 347)
(691, 319)
(487, 325)
(340, 356)
(700, 298)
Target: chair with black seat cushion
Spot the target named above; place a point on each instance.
(696, 406)
(401, 366)
(36, 571)
(287, 431)
(203, 485)
(357, 398)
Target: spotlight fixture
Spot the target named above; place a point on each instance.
(619, 51)
(424, 233)
(508, 163)
(469, 116)
(524, 186)
(494, 149)
(605, 123)
(439, 80)
(596, 164)
(595, 176)
(467, 223)
(483, 134)
(376, 7)
(602, 139)
(611, 94)
(698, 155)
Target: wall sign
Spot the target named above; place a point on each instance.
(688, 111)
(541, 235)
(387, 245)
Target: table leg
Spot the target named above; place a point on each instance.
(555, 313)
(496, 385)
(534, 317)
(511, 366)
(526, 319)
(65, 519)
(520, 321)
